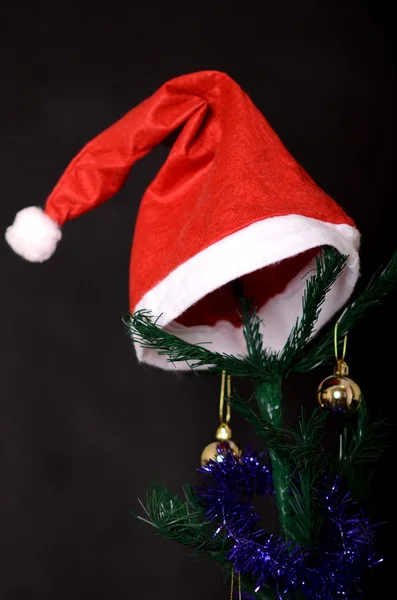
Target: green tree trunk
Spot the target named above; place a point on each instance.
(268, 397)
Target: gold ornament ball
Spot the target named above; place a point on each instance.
(216, 450)
(339, 394)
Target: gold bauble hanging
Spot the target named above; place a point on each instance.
(223, 444)
(338, 392)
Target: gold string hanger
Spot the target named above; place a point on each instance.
(224, 417)
(238, 585)
(216, 450)
(341, 366)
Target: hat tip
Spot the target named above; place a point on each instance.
(33, 235)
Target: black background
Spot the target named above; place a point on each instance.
(84, 430)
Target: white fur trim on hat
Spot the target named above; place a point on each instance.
(33, 235)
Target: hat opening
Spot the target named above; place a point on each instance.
(277, 290)
(260, 286)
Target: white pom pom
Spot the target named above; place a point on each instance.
(33, 235)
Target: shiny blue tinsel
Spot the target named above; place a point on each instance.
(330, 572)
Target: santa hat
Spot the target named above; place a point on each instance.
(230, 202)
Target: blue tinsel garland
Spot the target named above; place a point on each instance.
(330, 572)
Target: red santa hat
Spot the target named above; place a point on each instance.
(230, 202)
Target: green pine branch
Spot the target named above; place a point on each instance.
(329, 266)
(322, 349)
(143, 330)
(251, 323)
(301, 450)
(182, 521)
(276, 437)
(309, 464)
(307, 439)
(307, 519)
(368, 443)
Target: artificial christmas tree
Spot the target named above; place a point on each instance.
(326, 545)
(236, 246)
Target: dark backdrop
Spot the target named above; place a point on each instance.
(84, 430)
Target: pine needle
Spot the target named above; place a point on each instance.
(322, 350)
(368, 443)
(143, 330)
(307, 439)
(309, 462)
(181, 521)
(329, 266)
(251, 328)
(275, 437)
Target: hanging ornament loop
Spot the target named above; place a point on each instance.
(226, 383)
(223, 435)
(238, 584)
(338, 392)
(341, 365)
(336, 344)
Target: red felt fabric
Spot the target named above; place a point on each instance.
(226, 169)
